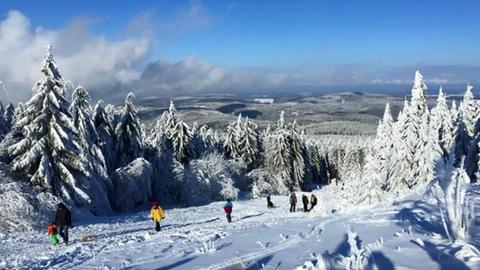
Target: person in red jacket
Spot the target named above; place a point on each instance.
(228, 209)
(52, 231)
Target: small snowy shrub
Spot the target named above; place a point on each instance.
(455, 208)
(132, 185)
(208, 179)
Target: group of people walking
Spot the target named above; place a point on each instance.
(293, 202)
(63, 216)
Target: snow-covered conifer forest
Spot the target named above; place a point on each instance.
(415, 180)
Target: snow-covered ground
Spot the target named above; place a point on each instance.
(407, 234)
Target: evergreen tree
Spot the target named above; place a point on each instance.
(48, 152)
(417, 134)
(441, 128)
(402, 158)
(461, 141)
(180, 138)
(248, 142)
(9, 116)
(454, 112)
(469, 111)
(87, 136)
(128, 133)
(106, 135)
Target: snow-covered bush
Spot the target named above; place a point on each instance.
(455, 208)
(262, 183)
(22, 208)
(132, 185)
(208, 179)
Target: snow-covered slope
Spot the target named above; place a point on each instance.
(406, 234)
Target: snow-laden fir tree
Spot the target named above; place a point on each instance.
(298, 161)
(87, 136)
(402, 158)
(128, 133)
(106, 135)
(461, 141)
(180, 137)
(179, 134)
(469, 110)
(230, 141)
(417, 134)
(49, 153)
(441, 128)
(278, 157)
(82, 117)
(248, 142)
(9, 116)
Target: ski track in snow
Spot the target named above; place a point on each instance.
(258, 238)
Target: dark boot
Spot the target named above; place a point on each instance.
(157, 226)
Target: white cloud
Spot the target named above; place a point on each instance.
(84, 58)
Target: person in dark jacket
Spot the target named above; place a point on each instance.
(269, 202)
(313, 201)
(293, 202)
(63, 219)
(305, 203)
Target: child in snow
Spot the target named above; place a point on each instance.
(313, 201)
(293, 202)
(52, 231)
(157, 214)
(228, 209)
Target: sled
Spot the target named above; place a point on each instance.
(86, 238)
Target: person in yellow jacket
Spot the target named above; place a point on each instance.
(157, 214)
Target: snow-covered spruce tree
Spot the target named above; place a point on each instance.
(461, 141)
(441, 128)
(48, 152)
(417, 135)
(179, 135)
(106, 135)
(168, 175)
(248, 142)
(87, 136)
(469, 110)
(370, 190)
(180, 138)
(128, 133)
(278, 157)
(401, 157)
(230, 143)
(297, 146)
(9, 116)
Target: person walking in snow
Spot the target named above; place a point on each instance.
(52, 232)
(228, 208)
(157, 214)
(63, 219)
(293, 202)
(313, 201)
(269, 202)
(305, 203)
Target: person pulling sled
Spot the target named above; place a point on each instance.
(63, 219)
(157, 214)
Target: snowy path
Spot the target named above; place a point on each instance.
(200, 238)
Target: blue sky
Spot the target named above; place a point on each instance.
(370, 41)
